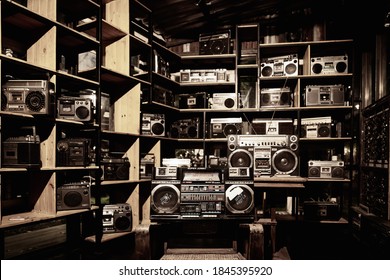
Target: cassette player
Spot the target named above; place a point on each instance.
(279, 66)
(275, 97)
(317, 127)
(223, 101)
(191, 100)
(272, 126)
(186, 128)
(326, 169)
(221, 127)
(117, 218)
(324, 95)
(329, 65)
(115, 169)
(75, 108)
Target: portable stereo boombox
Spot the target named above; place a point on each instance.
(272, 126)
(275, 97)
(329, 65)
(22, 151)
(214, 43)
(163, 96)
(316, 127)
(279, 66)
(223, 101)
(191, 100)
(116, 169)
(28, 96)
(117, 218)
(205, 75)
(332, 95)
(74, 152)
(221, 127)
(72, 196)
(153, 124)
(186, 128)
(75, 108)
(326, 169)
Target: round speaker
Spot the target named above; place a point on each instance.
(122, 171)
(240, 158)
(192, 131)
(314, 171)
(175, 131)
(316, 68)
(73, 199)
(217, 47)
(82, 112)
(265, 99)
(290, 68)
(337, 172)
(122, 221)
(239, 199)
(165, 198)
(341, 66)
(284, 161)
(35, 101)
(267, 70)
(284, 98)
(324, 131)
(230, 129)
(229, 103)
(157, 128)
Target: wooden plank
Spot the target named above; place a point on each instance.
(43, 52)
(118, 14)
(46, 8)
(117, 56)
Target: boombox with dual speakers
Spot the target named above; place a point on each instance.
(210, 44)
(317, 127)
(74, 152)
(115, 169)
(324, 95)
(153, 124)
(117, 218)
(28, 96)
(75, 108)
(186, 128)
(272, 126)
(206, 75)
(191, 100)
(71, 196)
(223, 101)
(326, 169)
(286, 65)
(329, 65)
(221, 127)
(276, 97)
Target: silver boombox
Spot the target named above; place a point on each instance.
(316, 127)
(75, 108)
(223, 101)
(326, 169)
(286, 65)
(221, 127)
(203, 76)
(332, 95)
(329, 65)
(275, 97)
(153, 124)
(117, 218)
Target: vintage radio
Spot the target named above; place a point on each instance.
(272, 126)
(191, 100)
(275, 97)
(74, 152)
(203, 76)
(221, 127)
(326, 169)
(72, 196)
(146, 166)
(163, 96)
(28, 96)
(223, 101)
(239, 200)
(186, 128)
(329, 65)
(153, 124)
(75, 108)
(210, 44)
(321, 210)
(115, 169)
(22, 151)
(286, 65)
(117, 218)
(316, 127)
(324, 95)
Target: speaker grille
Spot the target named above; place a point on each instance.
(165, 199)
(239, 199)
(240, 158)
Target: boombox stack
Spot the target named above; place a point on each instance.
(117, 218)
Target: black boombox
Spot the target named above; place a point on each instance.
(329, 65)
(224, 101)
(22, 151)
(316, 127)
(286, 65)
(191, 100)
(214, 43)
(332, 95)
(115, 169)
(153, 124)
(272, 126)
(326, 169)
(146, 166)
(75, 108)
(163, 96)
(74, 152)
(28, 96)
(276, 97)
(72, 196)
(186, 128)
(321, 210)
(221, 127)
(117, 218)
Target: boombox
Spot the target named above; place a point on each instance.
(22, 151)
(316, 127)
(279, 66)
(272, 126)
(191, 100)
(223, 101)
(163, 96)
(117, 218)
(146, 166)
(74, 152)
(116, 168)
(326, 169)
(321, 210)
(28, 96)
(329, 65)
(324, 95)
(221, 127)
(275, 97)
(153, 124)
(75, 108)
(214, 43)
(72, 196)
(186, 128)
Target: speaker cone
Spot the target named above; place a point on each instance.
(239, 199)
(35, 101)
(267, 71)
(123, 222)
(165, 198)
(82, 112)
(314, 172)
(157, 128)
(324, 131)
(290, 68)
(240, 158)
(217, 47)
(73, 199)
(192, 131)
(317, 68)
(341, 66)
(230, 129)
(229, 103)
(284, 161)
(337, 172)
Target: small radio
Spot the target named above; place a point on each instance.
(117, 218)
(275, 97)
(272, 126)
(279, 66)
(316, 127)
(329, 65)
(321, 210)
(223, 101)
(153, 124)
(191, 100)
(332, 95)
(186, 128)
(221, 127)
(210, 44)
(326, 169)
(72, 196)
(74, 152)
(75, 108)
(116, 169)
